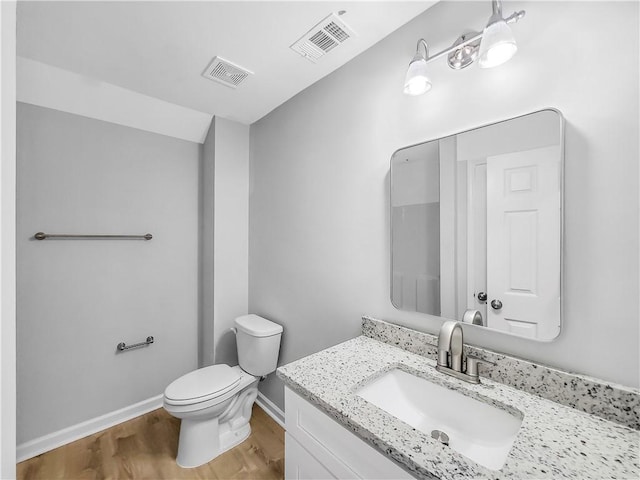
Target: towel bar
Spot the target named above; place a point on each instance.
(123, 346)
(43, 236)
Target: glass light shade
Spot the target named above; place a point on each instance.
(417, 82)
(497, 46)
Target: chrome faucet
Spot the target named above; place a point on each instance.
(451, 355)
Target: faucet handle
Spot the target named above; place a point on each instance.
(472, 365)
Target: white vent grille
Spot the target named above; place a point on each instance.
(323, 38)
(225, 72)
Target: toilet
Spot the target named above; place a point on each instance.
(214, 403)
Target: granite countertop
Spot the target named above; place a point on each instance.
(554, 441)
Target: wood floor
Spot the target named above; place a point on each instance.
(145, 448)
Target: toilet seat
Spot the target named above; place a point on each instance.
(202, 385)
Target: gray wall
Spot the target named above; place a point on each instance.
(207, 207)
(319, 215)
(231, 242)
(77, 299)
(224, 243)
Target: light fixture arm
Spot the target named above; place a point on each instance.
(513, 18)
(496, 5)
(422, 42)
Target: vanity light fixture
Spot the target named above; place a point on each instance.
(417, 81)
(492, 47)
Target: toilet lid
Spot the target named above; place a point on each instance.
(203, 384)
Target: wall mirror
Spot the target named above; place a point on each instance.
(476, 226)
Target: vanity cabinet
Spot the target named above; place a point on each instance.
(317, 447)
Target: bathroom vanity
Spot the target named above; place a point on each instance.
(548, 423)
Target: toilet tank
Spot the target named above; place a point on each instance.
(258, 342)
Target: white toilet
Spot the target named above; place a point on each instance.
(214, 403)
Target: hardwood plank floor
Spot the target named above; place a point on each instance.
(146, 447)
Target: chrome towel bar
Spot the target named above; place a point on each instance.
(43, 236)
(123, 346)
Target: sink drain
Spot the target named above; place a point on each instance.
(441, 436)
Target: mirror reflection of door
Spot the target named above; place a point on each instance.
(492, 196)
(477, 291)
(523, 234)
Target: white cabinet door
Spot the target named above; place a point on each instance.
(523, 242)
(317, 438)
(300, 464)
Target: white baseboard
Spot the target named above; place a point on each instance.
(270, 409)
(70, 434)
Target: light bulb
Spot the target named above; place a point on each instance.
(498, 44)
(417, 82)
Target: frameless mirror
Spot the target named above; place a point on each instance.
(476, 226)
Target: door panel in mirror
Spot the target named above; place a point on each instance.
(476, 224)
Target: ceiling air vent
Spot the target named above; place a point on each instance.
(225, 72)
(323, 38)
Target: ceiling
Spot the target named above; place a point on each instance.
(160, 49)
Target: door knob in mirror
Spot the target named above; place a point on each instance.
(482, 296)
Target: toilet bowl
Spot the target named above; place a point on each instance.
(214, 403)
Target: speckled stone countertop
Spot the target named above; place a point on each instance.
(610, 401)
(554, 441)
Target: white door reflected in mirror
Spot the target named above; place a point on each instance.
(477, 225)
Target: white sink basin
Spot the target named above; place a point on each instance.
(479, 431)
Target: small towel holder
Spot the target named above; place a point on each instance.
(123, 346)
